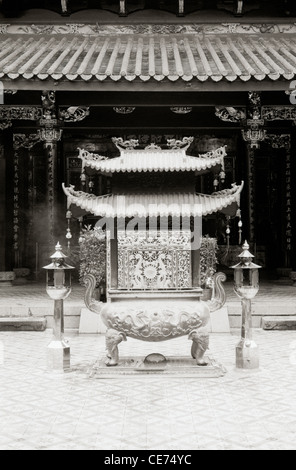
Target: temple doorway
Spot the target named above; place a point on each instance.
(270, 209)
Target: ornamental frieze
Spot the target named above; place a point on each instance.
(73, 113)
(25, 141)
(231, 114)
(279, 141)
(95, 29)
(23, 113)
(279, 113)
(5, 125)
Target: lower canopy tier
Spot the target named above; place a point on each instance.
(157, 205)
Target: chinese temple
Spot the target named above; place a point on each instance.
(74, 74)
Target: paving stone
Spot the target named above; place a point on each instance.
(242, 410)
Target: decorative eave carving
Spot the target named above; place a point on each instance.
(254, 105)
(73, 113)
(48, 132)
(5, 125)
(253, 136)
(25, 141)
(230, 114)
(10, 92)
(278, 141)
(22, 113)
(279, 113)
(99, 29)
(181, 109)
(254, 133)
(48, 100)
(50, 135)
(124, 109)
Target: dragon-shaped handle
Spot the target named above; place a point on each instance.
(91, 303)
(219, 296)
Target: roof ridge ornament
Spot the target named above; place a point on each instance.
(86, 155)
(219, 152)
(125, 144)
(153, 146)
(183, 144)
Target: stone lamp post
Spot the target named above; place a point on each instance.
(58, 287)
(246, 286)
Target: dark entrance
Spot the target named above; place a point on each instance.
(270, 208)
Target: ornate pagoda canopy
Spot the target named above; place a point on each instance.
(153, 160)
(156, 205)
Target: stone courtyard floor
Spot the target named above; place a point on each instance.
(65, 411)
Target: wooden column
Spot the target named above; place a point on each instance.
(20, 141)
(283, 141)
(50, 137)
(293, 214)
(253, 135)
(251, 192)
(2, 208)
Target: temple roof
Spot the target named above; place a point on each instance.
(153, 160)
(127, 57)
(156, 205)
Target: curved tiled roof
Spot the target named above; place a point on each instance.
(132, 161)
(128, 57)
(154, 205)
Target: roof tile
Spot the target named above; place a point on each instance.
(175, 57)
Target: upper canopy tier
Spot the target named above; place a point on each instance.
(157, 205)
(154, 160)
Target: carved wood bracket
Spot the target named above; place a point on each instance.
(25, 141)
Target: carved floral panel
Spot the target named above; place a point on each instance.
(154, 260)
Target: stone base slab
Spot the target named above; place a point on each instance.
(135, 366)
(23, 324)
(6, 278)
(279, 323)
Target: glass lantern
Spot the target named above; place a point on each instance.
(246, 286)
(58, 276)
(246, 275)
